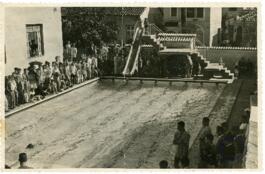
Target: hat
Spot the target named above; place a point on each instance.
(22, 157)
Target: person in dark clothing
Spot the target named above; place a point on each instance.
(226, 148)
(41, 91)
(163, 164)
(239, 143)
(208, 153)
(219, 145)
(181, 140)
(22, 158)
(242, 64)
(249, 67)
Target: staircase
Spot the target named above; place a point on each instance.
(212, 70)
(170, 44)
(209, 70)
(152, 40)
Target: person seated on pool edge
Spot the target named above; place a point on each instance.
(163, 164)
(22, 158)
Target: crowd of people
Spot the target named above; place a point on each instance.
(39, 80)
(223, 150)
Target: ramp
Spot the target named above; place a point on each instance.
(131, 64)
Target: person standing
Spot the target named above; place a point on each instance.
(225, 147)
(239, 142)
(219, 146)
(89, 67)
(208, 153)
(206, 130)
(6, 103)
(26, 86)
(73, 71)
(56, 76)
(67, 52)
(57, 60)
(73, 52)
(20, 86)
(12, 87)
(94, 66)
(181, 140)
(67, 74)
(189, 66)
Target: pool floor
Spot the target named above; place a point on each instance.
(109, 125)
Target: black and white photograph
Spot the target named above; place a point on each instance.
(131, 87)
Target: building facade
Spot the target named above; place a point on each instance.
(239, 27)
(204, 22)
(31, 34)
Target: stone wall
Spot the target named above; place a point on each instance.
(230, 55)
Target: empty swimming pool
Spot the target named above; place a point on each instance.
(106, 124)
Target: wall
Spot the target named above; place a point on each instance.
(16, 19)
(230, 55)
(155, 16)
(202, 24)
(215, 23)
(167, 15)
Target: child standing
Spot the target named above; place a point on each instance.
(73, 73)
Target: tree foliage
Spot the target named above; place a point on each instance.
(87, 26)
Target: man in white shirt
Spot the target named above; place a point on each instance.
(89, 67)
(73, 52)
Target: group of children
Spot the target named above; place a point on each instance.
(225, 150)
(39, 80)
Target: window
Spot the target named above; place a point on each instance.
(174, 12)
(190, 12)
(129, 32)
(195, 12)
(199, 12)
(35, 40)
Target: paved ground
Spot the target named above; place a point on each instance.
(109, 125)
(243, 101)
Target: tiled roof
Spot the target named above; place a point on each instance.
(116, 11)
(227, 48)
(177, 34)
(177, 39)
(130, 11)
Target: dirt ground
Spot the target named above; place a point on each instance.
(109, 125)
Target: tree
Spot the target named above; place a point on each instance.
(86, 27)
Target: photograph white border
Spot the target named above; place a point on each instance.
(151, 3)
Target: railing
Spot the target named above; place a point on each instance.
(153, 29)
